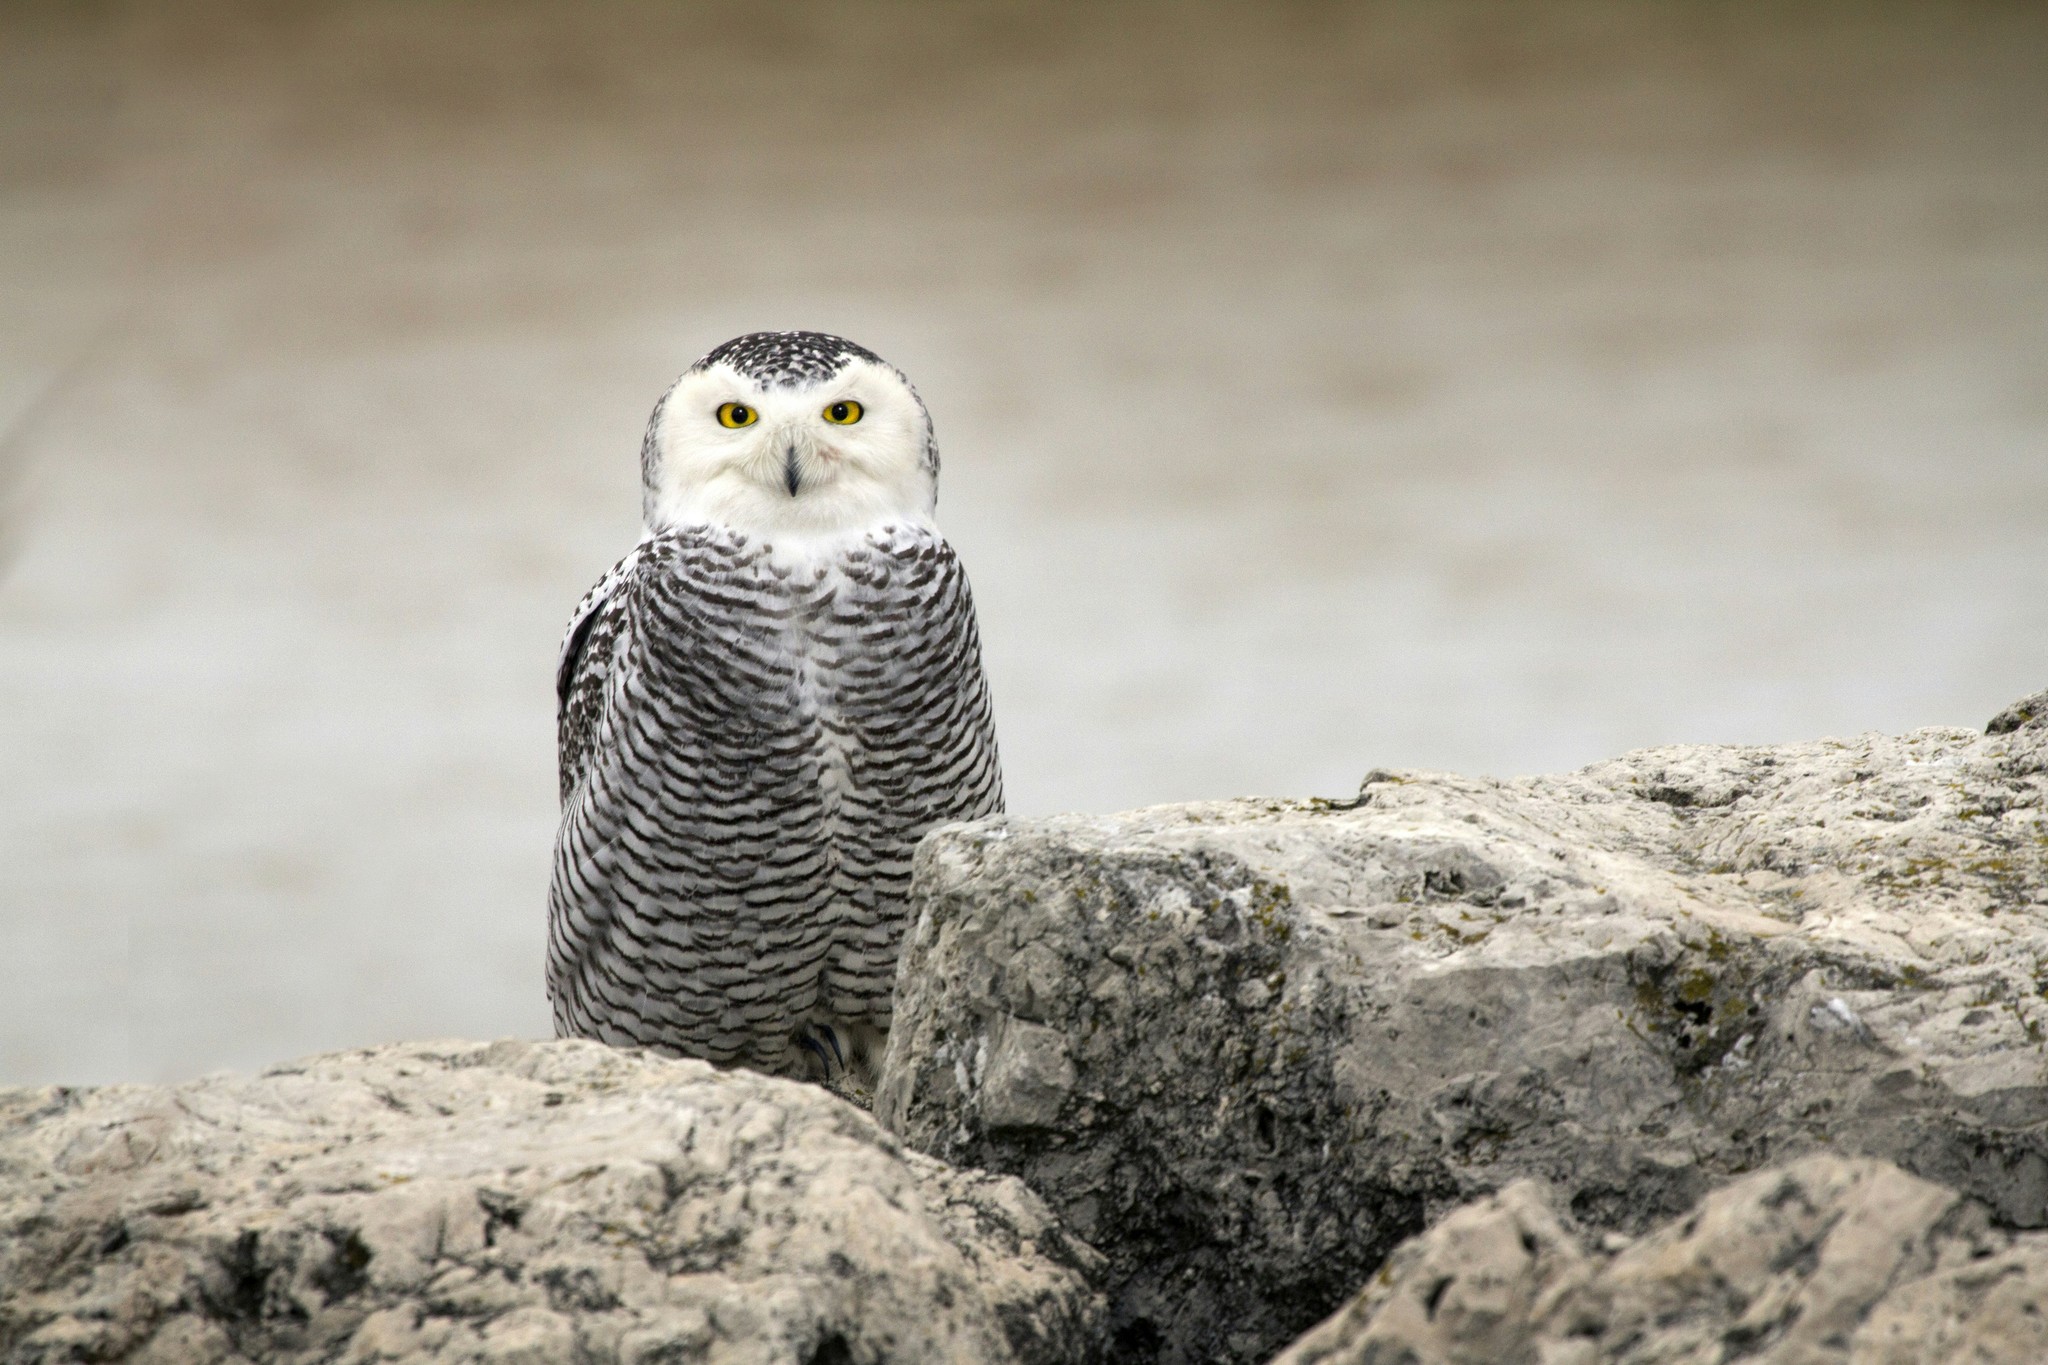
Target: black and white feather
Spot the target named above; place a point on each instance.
(763, 707)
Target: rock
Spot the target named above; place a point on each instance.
(511, 1203)
(1837, 1259)
(2026, 711)
(1245, 1048)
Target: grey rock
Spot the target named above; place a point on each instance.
(1825, 1261)
(2026, 711)
(1245, 1048)
(511, 1203)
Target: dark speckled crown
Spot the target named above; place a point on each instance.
(785, 359)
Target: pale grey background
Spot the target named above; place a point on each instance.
(1321, 386)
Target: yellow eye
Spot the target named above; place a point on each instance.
(737, 415)
(843, 413)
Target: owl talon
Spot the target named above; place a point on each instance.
(815, 1039)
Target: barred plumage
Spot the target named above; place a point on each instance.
(758, 722)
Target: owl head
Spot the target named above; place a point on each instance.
(789, 432)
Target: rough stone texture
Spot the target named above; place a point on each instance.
(1827, 1259)
(1245, 1048)
(513, 1203)
(2026, 711)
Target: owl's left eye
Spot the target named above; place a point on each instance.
(843, 413)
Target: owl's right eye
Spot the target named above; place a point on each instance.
(737, 415)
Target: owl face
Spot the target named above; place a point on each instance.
(787, 433)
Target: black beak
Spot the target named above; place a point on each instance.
(789, 474)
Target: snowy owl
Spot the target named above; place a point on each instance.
(763, 707)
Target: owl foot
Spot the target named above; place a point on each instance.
(822, 1042)
(843, 1058)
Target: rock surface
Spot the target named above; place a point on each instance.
(1246, 1048)
(1824, 1260)
(515, 1203)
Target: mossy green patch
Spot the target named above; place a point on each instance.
(1270, 902)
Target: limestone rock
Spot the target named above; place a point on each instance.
(2026, 711)
(510, 1203)
(1246, 1048)
(1827, 1259)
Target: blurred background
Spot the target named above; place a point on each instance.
(1322, 386)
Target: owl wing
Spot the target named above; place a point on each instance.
(583, 668)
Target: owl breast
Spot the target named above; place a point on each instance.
(753, 743)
